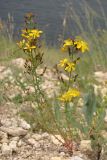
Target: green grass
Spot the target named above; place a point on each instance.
(94, 34)
(93, 61)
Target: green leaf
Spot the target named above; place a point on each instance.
(72, 119)
(100, 120)
(17, 99)
(57, 112)
(90, 105)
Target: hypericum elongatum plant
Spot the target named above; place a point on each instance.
(61, 115)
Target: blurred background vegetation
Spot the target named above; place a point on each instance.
(79, 20)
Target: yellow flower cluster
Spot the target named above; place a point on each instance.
(68, 66)
(69, 95)
(67, 43)
(31, 33)
(78, 44)
(28, 47)
(30, 36)
(81, 45)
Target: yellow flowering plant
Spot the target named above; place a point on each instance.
(69, 95)
(59, 115)
(32, 48)
(87, 123)
(71, 119)
(75, 44)
(69, 65)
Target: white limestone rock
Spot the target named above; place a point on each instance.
(76, 158)
(58, 158)
(13, 145)
(57, 139)
(6, 150)
(23, 124)
(14, 131)
(19, 62)
(3, 137)
(37, 137)
(85, 145)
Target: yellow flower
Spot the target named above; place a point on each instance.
(81, 45)
(25, 33)
(21, 44)
(31, 33)
(70, 66)
(29, 47)
(63, 62)
(67, 43)
(69, 95)
(35, 33)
